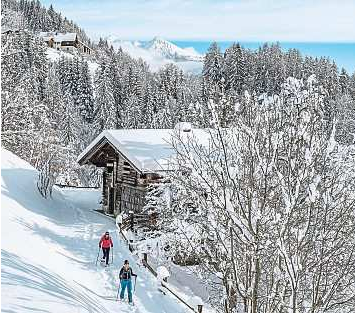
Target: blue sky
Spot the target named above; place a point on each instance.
(247, 20)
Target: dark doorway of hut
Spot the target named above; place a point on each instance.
(111, 201)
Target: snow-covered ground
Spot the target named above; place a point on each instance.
(49, 248)
(54, 55)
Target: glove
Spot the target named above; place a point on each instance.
(112, 246)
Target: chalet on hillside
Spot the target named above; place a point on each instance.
(65, 42)
(131, 159)
(7, 30)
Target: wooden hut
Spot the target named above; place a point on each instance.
(131, 159)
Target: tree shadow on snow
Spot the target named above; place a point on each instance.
(83, 235)
(16, 272)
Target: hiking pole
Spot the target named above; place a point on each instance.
(118, 290)
(135, 283)
(97, 258)
(112, 256)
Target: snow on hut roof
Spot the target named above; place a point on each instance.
(58, 37)
(5, 30)
(149, 150)
(65, 37)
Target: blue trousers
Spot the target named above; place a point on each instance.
(126, 283)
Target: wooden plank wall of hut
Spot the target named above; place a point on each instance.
(123, 184)
(130, 194)
(132, 199)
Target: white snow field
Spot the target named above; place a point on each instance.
(49, 248)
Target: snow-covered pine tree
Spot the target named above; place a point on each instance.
(293, 64)
(105, 109)
(344, 81)
(235, 69)
(148, 107)
(213, 71)
(85, 98)
(344, 107)
(23, 95)
(352, 86)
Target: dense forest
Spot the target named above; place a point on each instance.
(52, 109)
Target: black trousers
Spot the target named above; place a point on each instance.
(106, 252)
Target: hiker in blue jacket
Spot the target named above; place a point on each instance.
(126, 274)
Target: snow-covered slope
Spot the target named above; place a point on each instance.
(54, 55)
(159, 52)
(49, 248)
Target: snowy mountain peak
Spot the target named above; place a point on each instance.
(158, 52)
(158, 39)
(158, 42)
(171, 51)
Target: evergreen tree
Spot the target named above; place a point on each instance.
(105, 110)
(85, 92)
(293, 63)
(212, 71)
(344, 81)
(235, 71)
(352, 86)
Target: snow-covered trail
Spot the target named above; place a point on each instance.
(49, 249)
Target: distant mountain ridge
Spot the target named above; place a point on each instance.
(169, 50)
(159, 51)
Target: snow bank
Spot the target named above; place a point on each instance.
(183, 126)
(195, 301)
(163, 273)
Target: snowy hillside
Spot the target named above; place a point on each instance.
(159, 52)
(49, 248)
(54, 55)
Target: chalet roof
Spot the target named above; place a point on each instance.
(149, 150)
(65, 37)
(58, 37)
(5, 30)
